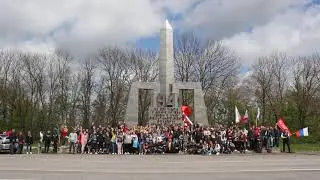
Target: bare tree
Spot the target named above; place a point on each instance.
(188, 49)
(280, 70)
(52, 88)
(88, 70)
(35, 79)
(262, 79)
(208, 62)
(114, 64)
(64, 59)
(75, 98)
(306, 85)
(7, 61)
(100, 103)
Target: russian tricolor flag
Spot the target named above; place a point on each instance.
(302, 132)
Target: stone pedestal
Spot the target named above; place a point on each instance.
(200, 110)
(133, 100)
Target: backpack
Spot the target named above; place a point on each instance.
(119, 139)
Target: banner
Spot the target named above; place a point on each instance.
(283, 126)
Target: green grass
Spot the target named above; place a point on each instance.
(305, 147)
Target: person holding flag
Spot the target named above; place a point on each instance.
(285, 135)
(285, 140)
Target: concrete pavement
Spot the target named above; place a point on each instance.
(162, 167)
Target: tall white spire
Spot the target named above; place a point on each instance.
(167, 25)
(166, 66)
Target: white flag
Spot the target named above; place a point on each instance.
(245, 117)
(238, 116)
(258, 114)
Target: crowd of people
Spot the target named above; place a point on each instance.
(153, 139)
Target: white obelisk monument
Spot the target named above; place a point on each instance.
(166, 64)
(166, 91)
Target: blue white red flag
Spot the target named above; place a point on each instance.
(302, 132)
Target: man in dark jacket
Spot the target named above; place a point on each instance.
(107, 139)
(285, 140)
(277, 135)
(55, 139)
(93, 143)
(47, 141)
(13, 140)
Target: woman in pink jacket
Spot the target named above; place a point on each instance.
(83, 140)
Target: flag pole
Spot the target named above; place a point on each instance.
(256, 122)
(257, 117)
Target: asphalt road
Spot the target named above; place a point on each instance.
(161, 167)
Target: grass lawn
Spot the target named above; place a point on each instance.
(305, 147)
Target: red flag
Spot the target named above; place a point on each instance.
(283, 126)
(186, 111)
(245, 117)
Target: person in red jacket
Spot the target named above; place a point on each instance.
(8, 133)
(64, 133)
(20, 142)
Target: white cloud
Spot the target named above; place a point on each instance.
(77, 24)
(224, 18)
(175, 6)
(35, 47)
(295, 31)
(83, 26)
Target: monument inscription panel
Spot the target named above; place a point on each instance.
(164, 115)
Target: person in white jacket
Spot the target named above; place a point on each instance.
(73, 137)
(217, 149)
(40, 142)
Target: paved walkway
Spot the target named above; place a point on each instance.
(161, 167)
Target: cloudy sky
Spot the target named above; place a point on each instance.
(249, 27)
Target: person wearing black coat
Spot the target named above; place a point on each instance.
(13, 141)
(285, 140)
(47, 141)
(55, 140)
(29, 142)
(277, 135)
